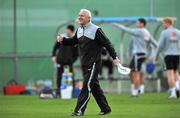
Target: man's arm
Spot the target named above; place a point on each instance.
(126, 29)
(68, 41)
(55, 48)
(105, 42)
(153, 42)
(161, 44)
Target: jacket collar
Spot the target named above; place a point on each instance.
(86, 25)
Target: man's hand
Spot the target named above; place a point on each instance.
(54, 59)
(116, 61)
(59, 38)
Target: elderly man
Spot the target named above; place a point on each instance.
(90, 39)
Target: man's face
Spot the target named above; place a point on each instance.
(139, 24)
(165, 24)
(83, 18)
(69, 33)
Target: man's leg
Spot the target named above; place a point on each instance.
(170, 66)
(132, 66)
(142, 82)
(136, 81)
(176, 73)
(132, 82)
(71, 70)
(73, 79)
(135, 65)
(99, 97)
(59, 79)
(171, 82)
(177, 83)
(88, 74)
(177, 79)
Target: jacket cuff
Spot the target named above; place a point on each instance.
(114, 57)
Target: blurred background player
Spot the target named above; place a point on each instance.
(142, 76)
(106, 62)
(140, 40)
(64, 56)
(169, 44)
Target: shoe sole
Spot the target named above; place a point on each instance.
(105, 113)
(74, 114)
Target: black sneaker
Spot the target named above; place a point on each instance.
(177, 93)
(104, 112)
(76, 114)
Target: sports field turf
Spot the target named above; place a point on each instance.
(150, 105)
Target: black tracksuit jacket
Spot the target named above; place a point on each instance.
(90, 39)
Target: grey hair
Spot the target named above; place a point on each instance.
(87, 11)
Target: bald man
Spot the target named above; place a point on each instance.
(90, 39)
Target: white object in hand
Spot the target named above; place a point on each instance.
(123, 70)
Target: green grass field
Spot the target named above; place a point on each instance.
(150, 105)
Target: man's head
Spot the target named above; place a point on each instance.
(70, 30)
(84, 16)
(141, 22)
(167, 22)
